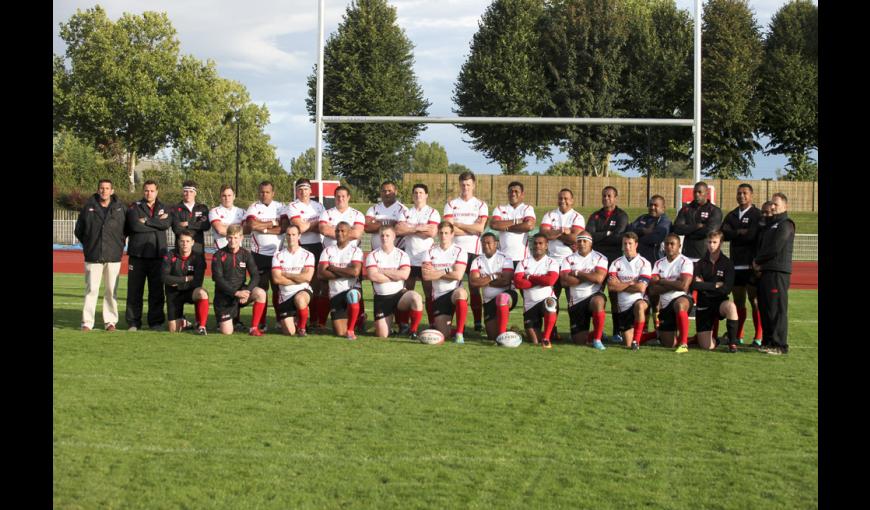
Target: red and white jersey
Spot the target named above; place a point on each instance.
(466, 212)
(498, 263)
(396, 259)
(307, 212)
(414, 245)
(445, 259)
(265, 244)
(672, 271)
(588, 264)
(233, 216)
(335, 256)
(630, 271)
(381, 213)
(557, 220)
(292, 263)
(531, 267)
(514, 244)
(333, 217)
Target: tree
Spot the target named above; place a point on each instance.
(789, 88)
(304, 166)
(731, 56)
(502, 78)
(457, 168)
(132, 94)
(368, 70)
(566, 167)
(657, 82)
(429, 158)
(581, 44)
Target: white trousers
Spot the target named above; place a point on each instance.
(94, 273)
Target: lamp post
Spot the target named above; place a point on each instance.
(238, 145)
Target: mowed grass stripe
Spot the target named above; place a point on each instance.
(156, 420)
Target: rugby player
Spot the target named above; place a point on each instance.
(713, 280)
(583, 274)
(183, 271)
(774, 262)
(513, 221)
(356, 221)
(292, 271)
(190, 215)
(419, 226)
(388, 267)
(606, 226)
(536, 275)
(443, 265)
(341, 265)
(628, 277)
(222, 217)
(305, 214)
(493, 271)
(387, 212)
(671, 281)
(695, 220)
(228, 268)
(262, 222)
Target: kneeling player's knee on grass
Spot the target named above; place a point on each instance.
(503, 299)
(353, 296)
(550, 304)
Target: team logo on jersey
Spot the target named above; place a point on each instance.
(160, 213)
(190, 268)
(704, 214)
(720, 273)
(90, 209)
(612, 223)
(198, 214)
(745, 220)
(243, 264)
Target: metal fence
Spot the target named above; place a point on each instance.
(806, 246)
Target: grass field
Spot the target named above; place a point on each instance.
(152, 420)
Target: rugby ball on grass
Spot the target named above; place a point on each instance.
(431, 337)
(509, 339)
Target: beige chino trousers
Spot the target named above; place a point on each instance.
(94, 273)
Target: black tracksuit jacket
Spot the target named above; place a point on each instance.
(197, 221)
(721, 271)
(147, 240)
(101, 232)
(228, 270)
(686, 224)
(777, 244)
(174, 269)
(745, 245)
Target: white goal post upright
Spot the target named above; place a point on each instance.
(695, 122)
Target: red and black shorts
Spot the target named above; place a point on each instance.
(706, 313)
(175, 301)
(288, 307)
(533, 318)
(386, 305)
(668, 314)
(579, 314)
(226, 308)
(490, 310)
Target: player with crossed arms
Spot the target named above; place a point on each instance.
(628, 278)
(536, 275)
(444, 265)
(341, 264)
(388, 267)
(493, 271)
(583, 274)
(292, 271)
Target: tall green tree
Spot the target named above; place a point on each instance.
(502, 78)
(789, 88)
(731, 56)
(131, 91)
(582, 47)
(305, 166)
(429, 158)
(657, 82)
(368, 70)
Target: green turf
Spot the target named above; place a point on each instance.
(152, 420)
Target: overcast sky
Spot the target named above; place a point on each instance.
(270, 46)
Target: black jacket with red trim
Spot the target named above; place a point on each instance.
(197, 221)
(175, 268)
(607, 232)
(720, 271)
(690, 216)
(777, 244)
(745, 244)
(147, 240)
(100, 231)
(228, 270)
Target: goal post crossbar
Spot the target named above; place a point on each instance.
(372, 119)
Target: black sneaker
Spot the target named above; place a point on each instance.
(201, 331)
(634, 346)
(478, 327)
(413, 336)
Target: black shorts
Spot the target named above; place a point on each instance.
(226, 308)
(288, 307)
(264, 269)
(490, 311)
(743, 277)
(443, 305)
(579, 314)
(416, 272)
(338, 305)
(625, 320)
(533, 318)
(707, 313)
(316, 249)
(386, 305)
(668, 315)
(175, 301)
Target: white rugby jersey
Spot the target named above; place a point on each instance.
(557, 220)
(396, 259)
(587, 264)
(445, 259)
(232, 216)
(381, 213)
(466, 212)
(333, 255)
(333, 217)
(265, 244)
(499, 262)
(672, 271)
(292, 263)
(514, 244)
(414, 245)
(629, 271)
(531, 267)
(307, 212)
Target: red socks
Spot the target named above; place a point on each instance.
(353, 313)
(638, 331)
(741, 319)
(598, 324)
(303, 318)
(461, 314)
(259, 314)
(683, 327)
(202, 312)
(549, 322)
(756, 321)
(416, 317)
(476, 306)
(646, 337)
(503, 312)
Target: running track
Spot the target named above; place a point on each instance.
(805, 275)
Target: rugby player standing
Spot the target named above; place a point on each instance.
(419, 226)
(305, 214)
(262, 222)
